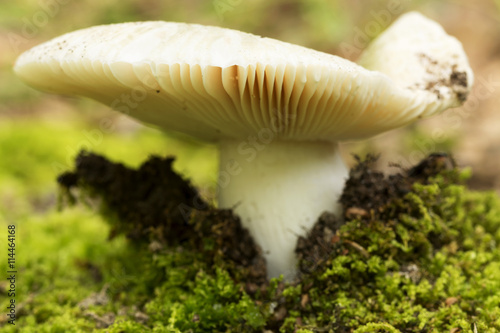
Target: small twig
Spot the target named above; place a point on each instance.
(357, 247)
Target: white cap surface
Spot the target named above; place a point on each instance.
(216, 83)
(418, 54)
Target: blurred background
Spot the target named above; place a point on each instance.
(40, 134)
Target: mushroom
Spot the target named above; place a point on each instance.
(276, 110)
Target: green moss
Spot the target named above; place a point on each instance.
(432, 266)
(215, 303)
(427, 261)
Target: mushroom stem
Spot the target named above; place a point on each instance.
(279, 190)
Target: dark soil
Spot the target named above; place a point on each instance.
(155, 206)
(368, 192)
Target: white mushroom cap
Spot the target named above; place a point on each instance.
(417, 54)
(216, 83)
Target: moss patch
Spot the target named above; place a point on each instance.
(411, 259)
(415, 252)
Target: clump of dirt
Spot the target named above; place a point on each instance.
(142, 199)
(155, 206)
(368, 196)
(440, 77)
(368, 192)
